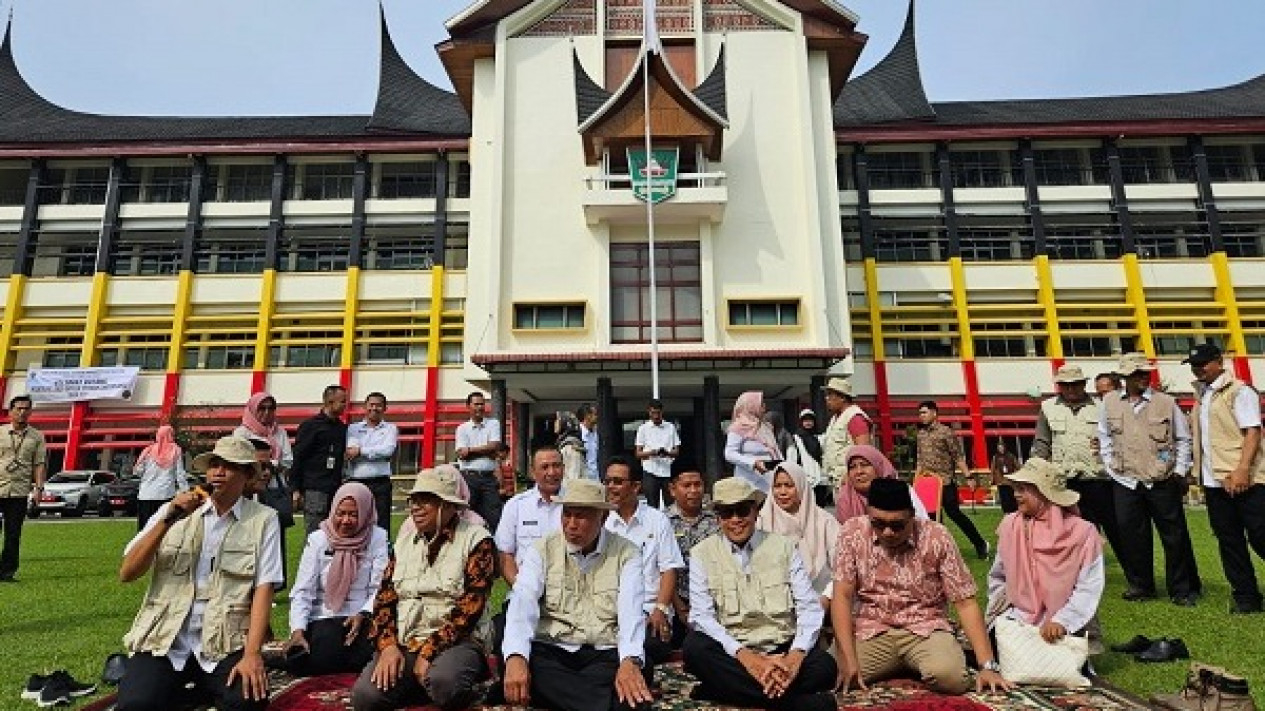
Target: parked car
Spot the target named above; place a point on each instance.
(72, 493)
(119, 495)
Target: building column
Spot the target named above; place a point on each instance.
(434, 342)
(522, 438)
(713, 447)
(276, 213)
(817, 397)
(359, 193)
(1041, 256)
(608, 431)
(25, 247)
(1236, 342)
(500, 402)
(440, 233)
(874, 305)
(184, 288)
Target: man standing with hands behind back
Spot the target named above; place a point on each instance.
(478, 444)
(21, 478)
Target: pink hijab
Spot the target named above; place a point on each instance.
(1043, 557)
(408, 528)
(811, 527)
(849, 503)
(250, 420)
(348, 551)
(748, 423)
(164, 451)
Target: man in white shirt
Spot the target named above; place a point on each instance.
(371, 446)
(478, 444)
(221, 551)
(651, 531)
(575, 629)
(587, 415)
(1228, 457)
(657, 446)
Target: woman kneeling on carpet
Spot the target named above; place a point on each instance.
(1046, 582)
(339, 573)
(428, 616)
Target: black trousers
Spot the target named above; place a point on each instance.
(583, 680)
(14, 510)
(145, 510)
(1006, 498)
(952, 509)
(1098, 506)
(329, 654)
(485, 495)
(655, 489)
(381, 489)
(723, 679)
(152, 684)
(1237, 522)
(1161, 504)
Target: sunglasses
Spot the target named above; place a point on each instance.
(893, 526)
(742, 510)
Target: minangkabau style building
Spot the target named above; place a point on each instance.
(488, 238)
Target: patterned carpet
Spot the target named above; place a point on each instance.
(333, 693)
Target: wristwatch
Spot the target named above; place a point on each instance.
(665, 608)
(991, 665)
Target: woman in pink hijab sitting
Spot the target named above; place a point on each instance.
(865, 464)
(332, 599)
(1049, 567)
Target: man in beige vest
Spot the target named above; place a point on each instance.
(848, 425)
(755, 614)
(215, 562)
(1067, 435)
(1226, 424)
(575, 629)
(1144, 441)
(429, 617)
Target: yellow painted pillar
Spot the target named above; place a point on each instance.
(1236, 342)
(263, 328)
(1136, 297)
(175, 353)
(882, 391)
(92, 325)
(957, 275)
(1045, 296)
(351, 305)
(9, 321)
(430, 414)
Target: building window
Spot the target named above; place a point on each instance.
(1230, 164)
(242, 183)
(146, 358)
(13, 184)
(460, 177)
(138, 253)
(385, 354)
(162, 183)
(1243, 240)
(304, 356)
(1088, 347)
(61, 358)
(415, 179)
(457, 247)
(996, 245)
(230, 357)
(75, 186)
(231, 251)
(1156, 164)
(1000, 347)
(851, 227)
(910, 240)
(912, 344)
(900, 170)
(541, 316)
(986, 169)
(1071, 166)
(326, 181)
(679, 297)
(764, 313)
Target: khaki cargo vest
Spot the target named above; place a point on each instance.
(1072, 437)
(577, 607)
(1224, 433)
(757, 608)
(428, 592)
(228, 592)
(1143, 444)
(836, 441)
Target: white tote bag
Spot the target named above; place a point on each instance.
(1026, 658)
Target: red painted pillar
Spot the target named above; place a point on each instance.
(344, 379)
(171, 395)
(1242, 370)
(258, 381)
(74, 434)
(975, 404)
(430, 417)
(4, 384)
(1056, 363)
(886, 438)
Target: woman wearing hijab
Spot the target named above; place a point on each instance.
(160, 467)
(259, 422)
(1049, 567)
(332, 599)
(571, 446)
(750, 444)
(792, 511)
(865, 464)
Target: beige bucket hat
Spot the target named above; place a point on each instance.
(1070, 374)
(441, 482)
(1131, 363)
(232, 448)
(732, 491)
(585, 493)
(1049, 480)
(843, 386)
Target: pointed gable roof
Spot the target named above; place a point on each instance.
(408, 103)
(890, 91)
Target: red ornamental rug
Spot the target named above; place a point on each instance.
(333, 693)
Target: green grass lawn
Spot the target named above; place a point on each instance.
(69, 610)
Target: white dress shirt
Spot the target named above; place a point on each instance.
(477, 434)
(743, 454)
(652, 438)
(1247, 413)
(591, 444)
(268, 570)
(307, 597)
(377, 448)
(526, 518)
(1181, 437)
(159, 483)
(808, 611)
(524, 609)
(651, 531)
(1080, 607)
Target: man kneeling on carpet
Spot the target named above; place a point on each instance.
(575, 629)
(755, 614)
(894, 577)
(215, 559)
(333, 593)
(429, 621)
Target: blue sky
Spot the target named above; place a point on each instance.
(243, 57)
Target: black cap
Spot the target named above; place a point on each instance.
(1203, 354)
(890, 495)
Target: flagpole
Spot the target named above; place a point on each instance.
(650, 29)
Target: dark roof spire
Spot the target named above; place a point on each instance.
(892, 90)
(408, 103)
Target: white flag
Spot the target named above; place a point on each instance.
(650, 28)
